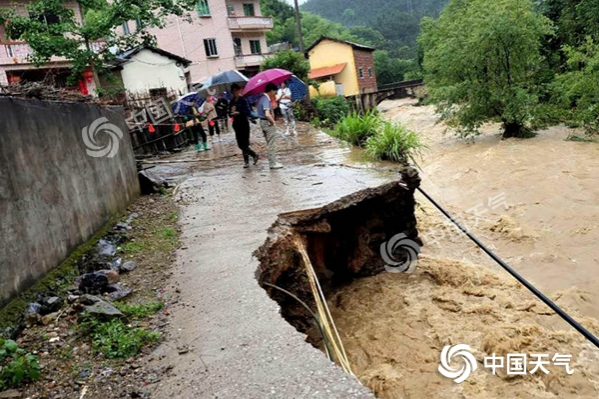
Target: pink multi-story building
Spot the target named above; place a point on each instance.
(222, 35)
(14, 56)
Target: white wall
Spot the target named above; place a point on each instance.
(148, 70)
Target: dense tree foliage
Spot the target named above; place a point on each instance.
(359, 12)
(393, 34)
(391, 70)
(397, 21)
(88, 39)
(577, 90)
(482, 62)
(291, 61)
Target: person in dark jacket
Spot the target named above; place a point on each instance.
(222, 109)
(240, 111)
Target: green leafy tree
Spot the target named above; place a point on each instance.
(291, 61)
(314, 26)
(369, 36)
(281, 13)
(349, 16)
(578, 89)
(482, 62)
(86, 35)
(574, 19)
(392, 70)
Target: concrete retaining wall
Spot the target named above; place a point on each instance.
(53, 195)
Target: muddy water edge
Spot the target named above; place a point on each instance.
(394, 326)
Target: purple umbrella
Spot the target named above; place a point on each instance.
(258, 83)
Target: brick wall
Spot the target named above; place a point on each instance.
(365, 61)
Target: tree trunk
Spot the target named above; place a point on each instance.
(517, 130)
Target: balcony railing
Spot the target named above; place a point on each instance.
(250, 23)
(242, 61)
(15, 53)
(18, 52)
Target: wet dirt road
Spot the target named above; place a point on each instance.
(239, 346)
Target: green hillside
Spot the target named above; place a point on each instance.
(368, 13)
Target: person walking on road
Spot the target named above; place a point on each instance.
(210, 111)
(240, 111)
(222, 109)
(286, 105)
(266, 113)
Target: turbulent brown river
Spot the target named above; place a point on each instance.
(534, 202)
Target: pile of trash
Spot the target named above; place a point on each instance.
(43, 91)
(97, 286)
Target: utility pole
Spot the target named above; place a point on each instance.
(298, 20)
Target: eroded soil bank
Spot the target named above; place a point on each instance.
(342, 240)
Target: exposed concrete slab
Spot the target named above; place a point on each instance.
(241, 346)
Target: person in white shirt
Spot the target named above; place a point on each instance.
(285, 103)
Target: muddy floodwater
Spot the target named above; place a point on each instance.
(535, 203)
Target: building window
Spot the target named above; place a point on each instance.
(138, 24)
(256, 47)
(47, 17)
(248, 10)
(370, 72)
(231, 10)
(210, 46)
(126, 30)
(237, 46)
(203, 8)
(361, 73)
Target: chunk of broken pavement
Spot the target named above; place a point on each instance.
(122, 226)
(101, 308)
(106, 248)
(128, 267)
(116, 292)
(50, 304)
(93, 283)
(116, 264)
(33, 308)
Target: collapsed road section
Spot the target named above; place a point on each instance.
(342, 241)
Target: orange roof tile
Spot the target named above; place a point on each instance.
(326, 71)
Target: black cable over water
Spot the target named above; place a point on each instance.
(588, 335)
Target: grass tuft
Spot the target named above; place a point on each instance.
(394, 142)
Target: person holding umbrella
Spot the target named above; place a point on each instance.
(266, 82)
(240, 111)
(266, 113)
